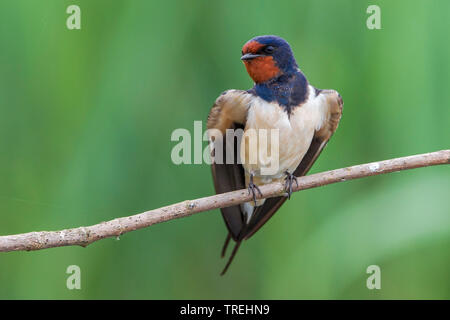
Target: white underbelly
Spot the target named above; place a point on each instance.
(287, 138)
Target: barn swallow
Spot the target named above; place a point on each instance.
(281, 98)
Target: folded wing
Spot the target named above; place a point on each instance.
(228, 112)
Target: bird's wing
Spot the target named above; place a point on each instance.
(228, 112)
(332, 117)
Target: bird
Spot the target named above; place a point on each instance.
(281, 99)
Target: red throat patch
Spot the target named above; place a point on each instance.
(260, 69)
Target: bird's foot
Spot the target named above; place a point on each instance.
(252, 187)
(290, 178)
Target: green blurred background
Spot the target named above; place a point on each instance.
(85, 123)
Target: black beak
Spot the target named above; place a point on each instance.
(250, 56)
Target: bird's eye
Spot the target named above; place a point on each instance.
(269, 49)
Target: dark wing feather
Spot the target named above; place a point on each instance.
(229, 112)
(230, 177)
(263, 213)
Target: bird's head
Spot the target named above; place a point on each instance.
(268, 57)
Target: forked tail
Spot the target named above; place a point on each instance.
(233, 253)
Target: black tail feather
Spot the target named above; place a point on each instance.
(235, 249)
(239, 240)
(225, 245)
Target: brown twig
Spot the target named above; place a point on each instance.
(84, 236)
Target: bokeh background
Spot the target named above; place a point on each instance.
(85, 123)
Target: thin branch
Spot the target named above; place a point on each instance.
(84, 236)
